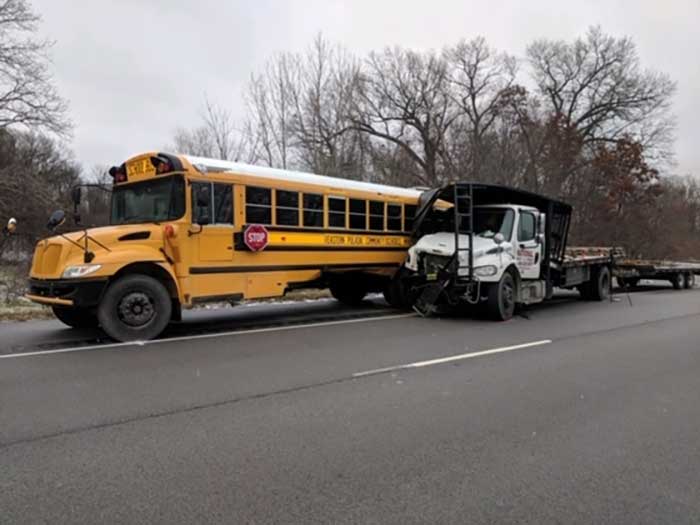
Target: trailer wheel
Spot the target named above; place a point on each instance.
(75, 317)
(627, 282)
(348, 292)
(501, 300)
(677, 281)
(135, 307)
(688, 281)
(600, 284)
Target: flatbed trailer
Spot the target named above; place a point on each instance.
(629, 272)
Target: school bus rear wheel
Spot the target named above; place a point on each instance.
(348, 292)
(135, 307)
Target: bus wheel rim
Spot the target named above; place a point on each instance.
(136, 309)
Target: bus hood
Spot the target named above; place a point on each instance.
(108, 244)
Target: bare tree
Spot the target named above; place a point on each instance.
(216, 137)
(597, 87)
(403, 98)
(36, 175)
(322, 103)
(479, 77)
(270, 104)
(28, 98)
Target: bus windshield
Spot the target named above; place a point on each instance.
(154, 200)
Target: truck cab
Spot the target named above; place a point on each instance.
(493, 245)
(504, 235)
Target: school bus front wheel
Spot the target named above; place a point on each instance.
(135, 308)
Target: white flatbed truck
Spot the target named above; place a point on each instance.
(501, 247)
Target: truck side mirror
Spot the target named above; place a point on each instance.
(541, 223)
(499, 238)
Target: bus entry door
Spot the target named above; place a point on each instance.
(212, 209)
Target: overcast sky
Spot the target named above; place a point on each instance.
(135, 70)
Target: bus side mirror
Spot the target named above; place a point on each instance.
(57, 218)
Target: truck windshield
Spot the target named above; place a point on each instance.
(153, 200)
(490, 221)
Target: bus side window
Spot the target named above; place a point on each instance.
(358, 214)
(223, 204)
(287, 208)
(336, 212)
(201, 203)
(376, 215)
(258, 209)
(313, 210)
(393, 221)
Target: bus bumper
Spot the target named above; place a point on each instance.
(67, 292)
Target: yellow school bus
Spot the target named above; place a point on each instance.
(186, 230)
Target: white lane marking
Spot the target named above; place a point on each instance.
(451, 358)
(206, 336)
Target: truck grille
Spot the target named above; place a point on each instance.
(432, 264)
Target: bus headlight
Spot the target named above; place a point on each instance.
(486, 271)
(80, 270)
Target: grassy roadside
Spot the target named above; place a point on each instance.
(24, 310)
(20, 310)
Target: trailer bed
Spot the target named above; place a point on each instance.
(589, 255)
(642, 268)
(629, 272)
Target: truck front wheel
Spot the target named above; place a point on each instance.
(75, 317)
(501, 298)
(135, 307)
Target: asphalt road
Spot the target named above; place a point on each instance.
(577, 413)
